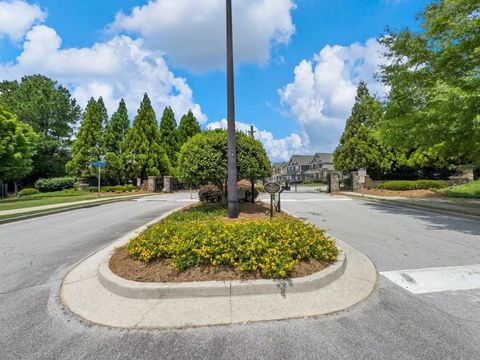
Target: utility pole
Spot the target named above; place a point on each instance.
(252, 132)
(232, 141)
(252, 135)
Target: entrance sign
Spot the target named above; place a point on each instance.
(272, 187)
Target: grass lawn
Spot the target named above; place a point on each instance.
(470, 190)
(203, 243)
(58, 197)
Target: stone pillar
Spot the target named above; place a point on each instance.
(334, 182)
(82, 184)
(167, 184)
(356, 186)
(152, 184)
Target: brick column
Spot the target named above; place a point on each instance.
(152, 183)
(167, 184)
(334, 182)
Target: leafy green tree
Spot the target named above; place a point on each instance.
(358, 147)
(17, 147)
(188, 128)
(51, 111)
(433, 108)
(87, 147)
(146, 155)
(169, 135)
(203, 158)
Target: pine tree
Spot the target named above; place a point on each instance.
(188, 128)
(169, 135)
(358, 146)
(116, 129)
(88, 144)
(145, 154)
(114, 141)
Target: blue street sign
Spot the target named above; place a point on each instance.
(99, 164)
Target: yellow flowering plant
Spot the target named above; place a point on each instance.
(203, 236)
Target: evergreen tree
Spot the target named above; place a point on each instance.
(114, 141)
(88, 144)
(358, 146)
(169, 135)
(188, 128)
(145, 155)
(116, 129)
(103, 112)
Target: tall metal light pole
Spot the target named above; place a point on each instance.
(232, 141)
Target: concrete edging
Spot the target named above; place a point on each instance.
(82, 293)
(139, 290)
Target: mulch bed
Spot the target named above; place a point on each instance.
(127, 267)
(123, 265)
(408, 193)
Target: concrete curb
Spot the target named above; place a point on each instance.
(138, 290)
(82, 292)
(72, 207)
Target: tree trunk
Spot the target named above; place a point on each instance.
(253, 191)
(15, 187)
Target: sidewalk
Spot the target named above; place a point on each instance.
(469, 207)
(66, 204)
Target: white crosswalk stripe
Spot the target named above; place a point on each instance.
(429, 280)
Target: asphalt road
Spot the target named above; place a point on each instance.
(392, 324)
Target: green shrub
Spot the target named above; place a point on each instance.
(115, 189)
(200, 236)
(404, 185)
(210, 194)
(470, 190)
(259, 188)
(55, 184)
(28, 192)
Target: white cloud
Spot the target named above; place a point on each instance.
(277, 149)
(118, 68)
(323, 91)
(17, 17)
(192, 33)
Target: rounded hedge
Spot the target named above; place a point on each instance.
(55, 184)
(210, 194)
(28, 192)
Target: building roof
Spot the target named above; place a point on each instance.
(301, 159)
(279, 164)
(326, 158)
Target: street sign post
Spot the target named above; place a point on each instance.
(362, 173)
(99, 165)
(272, 188)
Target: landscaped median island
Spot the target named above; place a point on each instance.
(200, 243)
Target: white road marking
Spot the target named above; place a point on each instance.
(420, 281)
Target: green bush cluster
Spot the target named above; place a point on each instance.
(55, 184)
(115, 189)
(28, 192)
(202, 236)
(210, 194)
(404, 185)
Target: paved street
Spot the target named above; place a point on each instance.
(392, 324)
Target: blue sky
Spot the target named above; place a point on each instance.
(298, 61)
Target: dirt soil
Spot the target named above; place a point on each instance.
(123, 265)
(408, 193)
